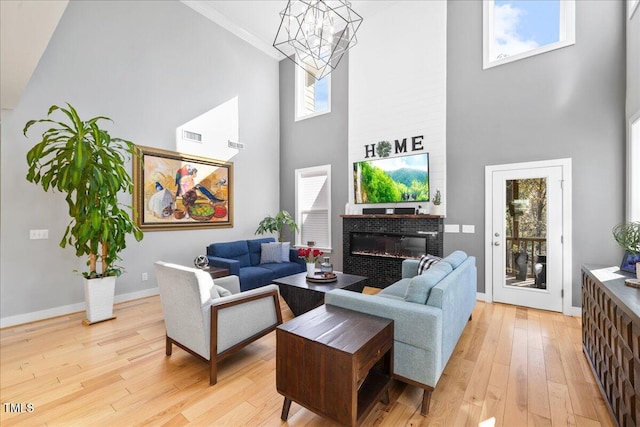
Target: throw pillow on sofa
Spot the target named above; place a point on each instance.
(286, 246)
(270, 253)
(426, 262)
(420, 286)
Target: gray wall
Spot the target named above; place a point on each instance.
(150, 66)
(566, 103)
(316, 141)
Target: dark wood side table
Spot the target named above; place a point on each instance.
(302, 295)
(335, 362)
(216, 272)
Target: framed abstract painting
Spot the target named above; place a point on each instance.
(180, 191)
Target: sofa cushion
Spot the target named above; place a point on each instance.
(283, 269)
(255, 247)
(398, 289)
(419, 286)
(234, 250)
(286, 251)
(270, 252)
(426, 262)
(455, 258)
(252, 277)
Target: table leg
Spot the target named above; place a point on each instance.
(285, 409)
(385, 397)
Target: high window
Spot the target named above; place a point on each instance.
(313, 97)
(517, 29)
(632, 6)
(313, 206)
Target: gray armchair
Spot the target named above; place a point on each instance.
(213, 321)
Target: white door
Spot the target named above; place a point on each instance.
(527, 236)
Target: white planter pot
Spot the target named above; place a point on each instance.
(435, 210)
(311, 269)
(638, 270)
(99, 295)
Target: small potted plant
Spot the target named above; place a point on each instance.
(83, 161)
(437, 201)
(276, 224)
(627, 235)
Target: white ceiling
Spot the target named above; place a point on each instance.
(28, 25)
(257, 21)
(25, 30)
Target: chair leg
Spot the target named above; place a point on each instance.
(426, 399)
(169, 347)
(213, 372)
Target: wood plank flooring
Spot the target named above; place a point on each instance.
(512, 367)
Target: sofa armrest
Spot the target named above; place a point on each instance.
(414, 324)
(293, 257)
(410, 268)
(243, 317)
(230, 264)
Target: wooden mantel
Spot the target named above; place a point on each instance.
(398, 216)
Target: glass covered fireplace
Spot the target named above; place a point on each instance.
(388, 245)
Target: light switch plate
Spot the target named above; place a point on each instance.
(468, 228)
(452, 228)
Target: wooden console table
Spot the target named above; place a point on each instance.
(611, 339)
(335, 362)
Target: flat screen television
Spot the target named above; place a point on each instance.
(392, 179)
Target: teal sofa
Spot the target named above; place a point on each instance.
(429, 311)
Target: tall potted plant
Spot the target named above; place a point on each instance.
(275, 224)
(83, 161)
(627, 235)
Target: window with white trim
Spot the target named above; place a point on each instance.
(313, 206)
(633, 169)
(632, 6)
(313, 97)
(517, 29)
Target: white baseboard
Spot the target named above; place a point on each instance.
(19, 319)
(574, 311)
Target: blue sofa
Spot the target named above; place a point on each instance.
(429, 311)
(242, 258)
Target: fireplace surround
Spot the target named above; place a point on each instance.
(391, 239)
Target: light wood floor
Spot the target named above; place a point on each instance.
(512, 367)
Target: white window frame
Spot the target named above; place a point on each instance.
(299, 110)
(567, 34)
(632, 7)
(299, 175)
(633, 168)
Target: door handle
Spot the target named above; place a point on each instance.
(496, 243)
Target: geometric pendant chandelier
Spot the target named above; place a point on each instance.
(316, 33)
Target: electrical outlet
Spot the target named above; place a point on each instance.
(145, 276)
(38, 234)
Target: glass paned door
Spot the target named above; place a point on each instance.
(527, 237)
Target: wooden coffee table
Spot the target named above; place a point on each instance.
(302, 295)
(335, 362)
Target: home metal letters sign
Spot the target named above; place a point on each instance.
(383, 148)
